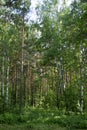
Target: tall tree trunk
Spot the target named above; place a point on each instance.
(24, 87)
(16, 85)
(57, 86)
(3, 82)
(82, 78)
(32, 87)
(7, 85)
(28, 84)
(22, 65)
(61, 74)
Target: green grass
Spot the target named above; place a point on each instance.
(40, 119)
(31, 127)
(34, 127)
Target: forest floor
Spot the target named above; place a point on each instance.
(40, 119)
(34, 127)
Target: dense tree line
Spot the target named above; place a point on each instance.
(43, 63)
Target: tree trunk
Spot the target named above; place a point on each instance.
(7, 85)
(32, 87)
(3, 82)
(22, 65)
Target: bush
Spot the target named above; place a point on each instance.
(50, 100)
(35, 116)
(71, 97)
(8, 118)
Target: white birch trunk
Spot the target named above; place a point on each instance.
(3, 83)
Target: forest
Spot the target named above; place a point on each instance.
(43, 65)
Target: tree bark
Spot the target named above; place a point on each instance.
(22, 65)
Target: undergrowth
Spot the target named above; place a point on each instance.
(35, 116)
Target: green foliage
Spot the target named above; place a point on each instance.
(85, 101)
(8, 118)
(50, 100)
(34, 117)
(49, 69)
(71, 96)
